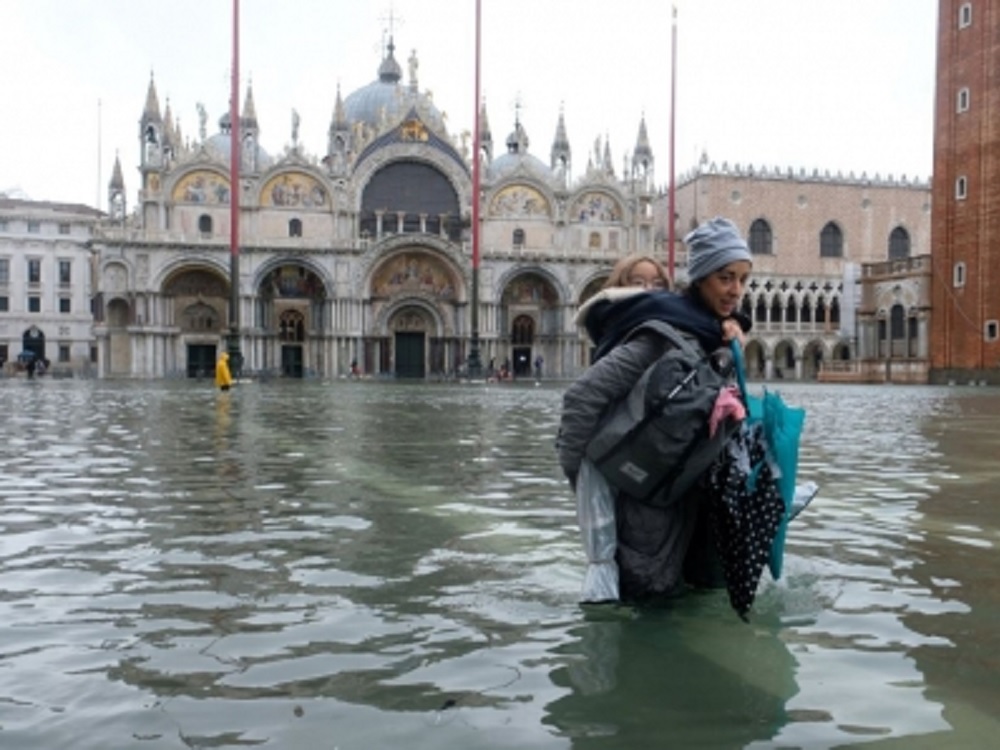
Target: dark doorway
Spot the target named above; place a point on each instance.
(201, 360)
(522, 361)
(410, 355)
(291, 361)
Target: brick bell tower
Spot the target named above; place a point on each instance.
(965, 228)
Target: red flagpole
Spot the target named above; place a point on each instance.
(476, 146)
(475, 364)
(236, 359)
(234, 138)
(672, 206)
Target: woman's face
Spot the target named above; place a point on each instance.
(722, 290)
(646, 275)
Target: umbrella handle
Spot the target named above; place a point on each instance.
(740, 367)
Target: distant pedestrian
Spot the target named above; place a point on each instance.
(539, 361)
(223, 377)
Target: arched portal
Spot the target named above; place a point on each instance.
(529, 316)
(410, 328)
(199, 302)
(415, 294)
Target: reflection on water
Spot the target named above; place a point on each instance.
(359, 565)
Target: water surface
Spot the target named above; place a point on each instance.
(373, 565)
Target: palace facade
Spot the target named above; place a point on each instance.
(361, 253)
(840, 288)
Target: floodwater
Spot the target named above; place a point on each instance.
(380, 565)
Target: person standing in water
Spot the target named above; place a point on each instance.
(223, 377)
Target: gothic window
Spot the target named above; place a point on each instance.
(747, 308)
(835, 311)
(522, 331)
(760, 238)
(291, 326)
(776, 310)
(821, 310)
(760, 316)
(791, 311)
(295, 228)
(205, 225)
(899, 244)
(806, 314)
(518, 238)
(831, 242)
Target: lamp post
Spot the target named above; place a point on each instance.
(475, 364)
(233, 342)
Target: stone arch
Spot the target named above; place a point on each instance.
(785, 357)
(415, 330)
(841, 352)
(414, 270)
(118, 314)
(513, 273)
(298, 278)
(199, 297)
(446, 252)
(813, 354)
(592, 287)
(755, 356)
(118, 317)
(410, 195)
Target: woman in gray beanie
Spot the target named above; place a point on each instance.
(719, 264)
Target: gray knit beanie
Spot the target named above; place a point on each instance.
(714, 245)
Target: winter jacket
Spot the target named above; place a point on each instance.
(652, 543)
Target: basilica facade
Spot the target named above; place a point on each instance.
(361, 254)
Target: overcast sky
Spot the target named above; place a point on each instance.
(838, 85)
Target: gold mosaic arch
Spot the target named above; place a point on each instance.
(530, 289)
(519, 200)
(596, 207)
(415, 272)
(202, 186)
(294, 190)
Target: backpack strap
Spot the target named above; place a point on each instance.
(670, 333)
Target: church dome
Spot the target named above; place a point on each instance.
(388, 98)
(219, 148)
(517, 157)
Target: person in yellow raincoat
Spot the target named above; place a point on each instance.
(223, 377)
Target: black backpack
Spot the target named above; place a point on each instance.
(654, 444)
